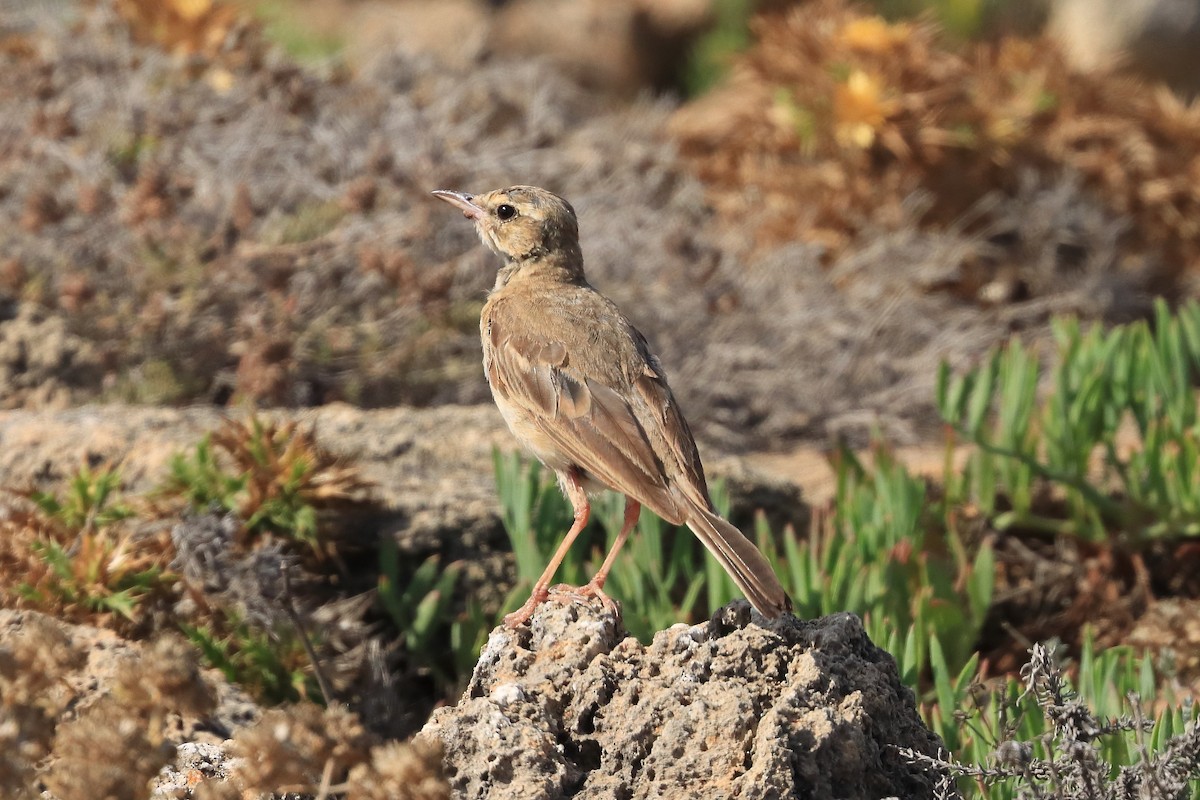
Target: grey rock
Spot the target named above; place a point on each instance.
(736, 707)
(193, 761)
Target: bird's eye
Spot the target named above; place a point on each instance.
(505, 211)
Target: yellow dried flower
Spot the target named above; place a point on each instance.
(860, 109)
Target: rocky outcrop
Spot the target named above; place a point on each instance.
(736, 707)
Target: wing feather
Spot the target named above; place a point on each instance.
(654, 394)
(593, 424)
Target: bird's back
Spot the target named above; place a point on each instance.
(581, 335)
(601, 339)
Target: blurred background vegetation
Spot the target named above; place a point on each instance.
(967, 226)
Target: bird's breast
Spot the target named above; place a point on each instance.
(531, 437)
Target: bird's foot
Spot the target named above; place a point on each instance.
(522, 614)
(562, 593)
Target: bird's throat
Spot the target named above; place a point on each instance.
(561, 266)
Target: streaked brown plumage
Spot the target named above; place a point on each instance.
(578, 386)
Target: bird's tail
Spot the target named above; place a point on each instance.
(741, 559)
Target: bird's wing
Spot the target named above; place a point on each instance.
(635, 441)
(653, 397)
(610, 434)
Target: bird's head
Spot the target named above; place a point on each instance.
(524, 224)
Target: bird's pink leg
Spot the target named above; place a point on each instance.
(574, 491)
(595, 587)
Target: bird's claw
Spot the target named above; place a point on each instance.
(522, 614)
(563, 593)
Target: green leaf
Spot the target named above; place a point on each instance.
(981, 582)
(981, 395)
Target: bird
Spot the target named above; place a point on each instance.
(578, 386)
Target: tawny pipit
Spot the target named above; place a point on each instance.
(578, 386)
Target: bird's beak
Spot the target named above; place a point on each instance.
(461, 201)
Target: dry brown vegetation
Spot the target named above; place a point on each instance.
(835, 118)
(84, 562)
(115, 739)
(308, 750)
(182, 26)
(111, 746)
(32, 665)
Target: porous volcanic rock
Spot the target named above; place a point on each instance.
(736, 707)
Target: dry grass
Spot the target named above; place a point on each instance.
(401, 771)
(301, 747)
(117, 746)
